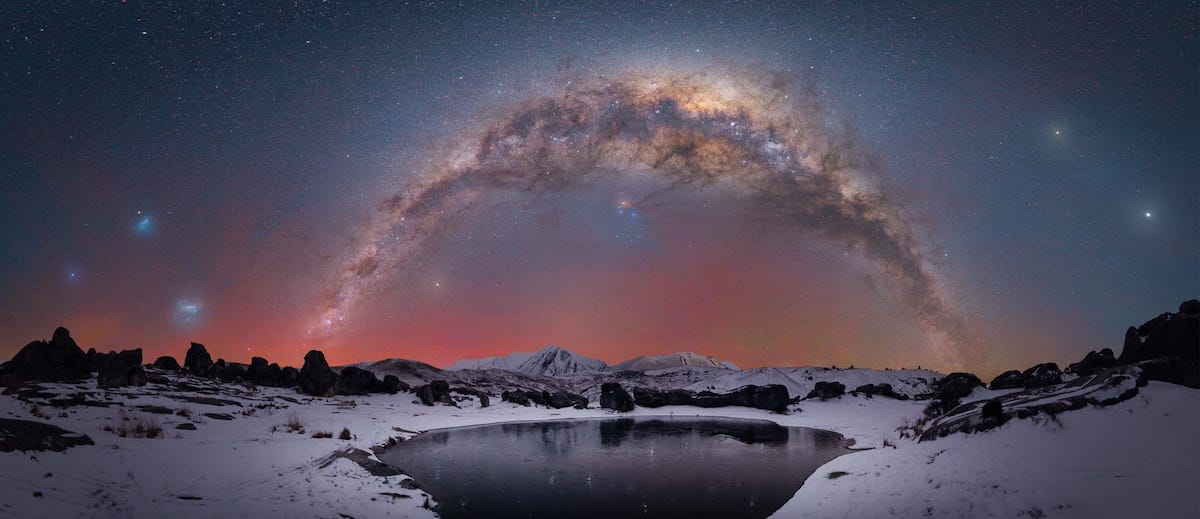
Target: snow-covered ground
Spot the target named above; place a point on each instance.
(1135, 456)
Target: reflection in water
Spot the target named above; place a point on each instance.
(627, 467)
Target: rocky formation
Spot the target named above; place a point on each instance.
(167, 363)
(356, 381)
(316, 377)
(1102, 389)
(58, 360)
(260, 373)
(1011, 379)
(1042, 375)
(434, 392)
(956, 385)
(120, 369)
(1167, 348)
(1092, 362)
(882, 389)
(391, 384)
(555, 399)
(827, 390)
(771, 397)
(198, 361)
(290, 377)
(613, 396)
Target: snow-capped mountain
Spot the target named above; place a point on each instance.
(553, 361)
(672, 360)
(509, 362)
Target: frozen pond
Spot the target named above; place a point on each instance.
(615, 467)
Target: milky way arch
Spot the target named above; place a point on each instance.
(758, 135)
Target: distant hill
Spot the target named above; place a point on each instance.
(672, 360)
(509, 362)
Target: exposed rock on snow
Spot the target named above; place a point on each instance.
(613, 396)
(356, 381)
(827, 390)
(1042, 375)
(60, 359)
(1092, 362)
(1011, 379)
(197, 360)
(1172, 342)
(25, 436)
(167, 363)
(316, 377)
(119, 369)
(956, 386)
(1102, 389)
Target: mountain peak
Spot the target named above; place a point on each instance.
(554, 361)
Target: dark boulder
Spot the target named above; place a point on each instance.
(260, 373)
(615, 397)
(882, 389)
(957, 385)
(435, 391)
(1132, 350)
(232, 372)
(391, 384)
(515, 396)
(1042, 375)
(120, 369)
(1011, 379)
(197, 360)
(680, 397)
(827, 390)
(1092, 362)
(771, 397)
(60, 359)
(560, 399)
(289, 377)
(316, 377)
(644, 397)
(355, 381)
(167, 362)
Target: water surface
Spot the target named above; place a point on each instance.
(611, 468)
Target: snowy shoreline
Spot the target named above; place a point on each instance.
(250, 464)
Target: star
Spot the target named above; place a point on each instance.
(1149, 215)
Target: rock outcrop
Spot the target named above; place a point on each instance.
(198, 361)
(1011, 379)
(58, 360)
(1092, 362)
(356, 381)
(167, 363)
(316, 377)
(1167, 348)
(1042, 375)
(615, 397)
(826, 390)
(120, 369)
(435, 391)
(956, 386)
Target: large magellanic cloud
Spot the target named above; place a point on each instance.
(759, 136)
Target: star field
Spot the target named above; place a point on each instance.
(243, 175)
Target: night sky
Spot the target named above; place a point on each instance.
(975, 185)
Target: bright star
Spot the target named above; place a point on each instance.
(1148, 215)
